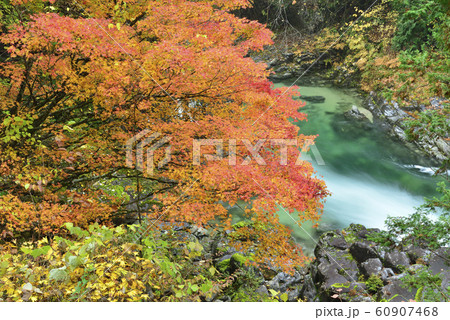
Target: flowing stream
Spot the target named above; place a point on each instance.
(369, 174)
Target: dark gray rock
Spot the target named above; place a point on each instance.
(281, 76)
(329, 241)
(225, 299)
(395, 292)
(357, 287)
(396, 260)
(413, 269)
(281, 70)
(439, 261)
(308, 291)
(274, 62)
(288, 57)
(293, 294)
(327, 274)
(286, 75)
(362, 251)
(336, 263)
(361, 232)
(357, 298)
(313, 99)
(355, 114)
(372, 266)
(393, 113)
(346, 292)
(396, 277)
(400, 133)
(339, 243)
(391, 116)
(262, 291)
(199, 232)
(327, 289)
(305, 57)
(224, 257)
(385, 274)
(346, 265)
(282, 281)
(417, 254)
(445, 280)
(269, 272)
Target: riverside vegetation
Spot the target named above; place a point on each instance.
(78, 79)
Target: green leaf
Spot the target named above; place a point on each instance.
(75, 262)
(40, 251)
(69, 225)
(59, 274)
(206, 287)
(194, 288)
(273, 292)
(27, 287)
(26, 250)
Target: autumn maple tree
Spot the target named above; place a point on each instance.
(80, 78)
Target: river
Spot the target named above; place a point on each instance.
(368, 173)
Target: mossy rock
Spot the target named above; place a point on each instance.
(242, 224)
(224, 265)
(354, 232)
(238, 260)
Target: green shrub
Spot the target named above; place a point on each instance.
(373, 284)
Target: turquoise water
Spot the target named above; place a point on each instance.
(365, 170)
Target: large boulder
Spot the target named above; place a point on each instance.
(396, 260)
(417, 254)
(372, 266)
(330, 241)
(339, 243)
(395, 291)
(439, 260)
(362, 251)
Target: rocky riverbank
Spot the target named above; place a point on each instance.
(347, 266)
(390, 114)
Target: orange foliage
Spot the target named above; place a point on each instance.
(78, 87)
